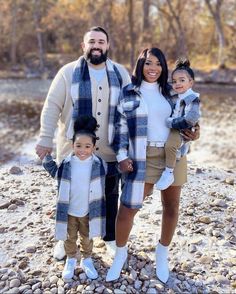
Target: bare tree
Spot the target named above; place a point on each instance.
(130, 4)
(181, 43)
(37, 19)
(219, 28)
(14, 8)
(146, 32)
(171, 28)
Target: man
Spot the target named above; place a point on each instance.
(89, 85)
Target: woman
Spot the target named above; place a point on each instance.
(141, 133)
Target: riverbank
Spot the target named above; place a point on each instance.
(21, 106)
(202, 254)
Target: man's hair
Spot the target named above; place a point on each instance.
(98, 29)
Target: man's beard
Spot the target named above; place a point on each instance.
(95, 59)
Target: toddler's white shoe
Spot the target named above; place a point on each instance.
(166, 179)
(59, 250)
(111, 247)
(87, 265)
(69, 269)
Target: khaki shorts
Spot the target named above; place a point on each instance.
(155, 165)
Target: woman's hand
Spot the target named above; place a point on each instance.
(126, 166)
(189, 135)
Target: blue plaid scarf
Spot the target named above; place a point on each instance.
(81, 93)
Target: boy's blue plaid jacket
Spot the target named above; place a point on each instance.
(130, 141)
(97, 207)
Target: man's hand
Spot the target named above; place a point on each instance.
(42, 151)
(126, 165)
(189, 135)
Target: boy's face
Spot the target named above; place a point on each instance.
(83, 146)
(181, 81)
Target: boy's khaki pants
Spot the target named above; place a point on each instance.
(81, 225)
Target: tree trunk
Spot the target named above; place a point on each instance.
(181, 44)
(146, 33)
(37, 18)
(14, 9)
(109, 24)
(131, 31)
(219, 29)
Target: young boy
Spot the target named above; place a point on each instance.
(81, 197)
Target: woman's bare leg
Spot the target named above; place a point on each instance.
(125, 218)
(124, 224)
(170, 202)
(148, 188)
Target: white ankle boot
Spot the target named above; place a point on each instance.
(88, 267)
(162, 270)
(118, 263)
(69, 269)
(59, 250)
(111, 248)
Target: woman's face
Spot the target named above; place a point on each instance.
(152, 69)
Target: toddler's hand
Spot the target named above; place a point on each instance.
(190, 135)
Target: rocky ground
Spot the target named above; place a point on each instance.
(203, 252)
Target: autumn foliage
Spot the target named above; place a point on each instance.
(205, 31)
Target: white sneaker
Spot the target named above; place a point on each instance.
(118, 263)
(162, 269)
(88, 267)
(111, 247)
(69, 269)
(166, 179)
(59, 250)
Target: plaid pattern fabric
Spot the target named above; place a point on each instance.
(131, 139)
(82, 96)
(97, 207)
(190, 113)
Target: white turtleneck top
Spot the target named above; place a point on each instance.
(159, 110)
(80, 184)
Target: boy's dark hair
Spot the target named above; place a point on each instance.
(85, 125)
(98, 29)
(183, 64)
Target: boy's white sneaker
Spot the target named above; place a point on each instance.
(59, 250)
(69, 268)
(87, 265)
(166, 179)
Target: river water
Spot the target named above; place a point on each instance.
(22, 100)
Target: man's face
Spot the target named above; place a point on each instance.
(95, 47)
